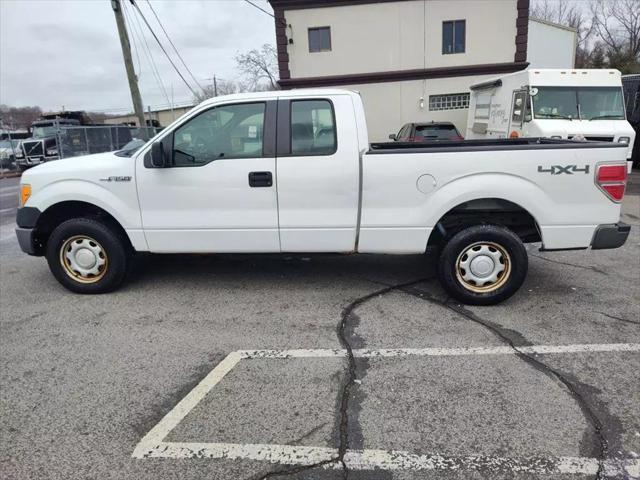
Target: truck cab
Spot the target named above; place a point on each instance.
(560, 104)
(42, 146)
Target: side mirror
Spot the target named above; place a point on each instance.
(392, 136)
(158, 159)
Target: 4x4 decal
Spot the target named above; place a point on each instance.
(558, 169)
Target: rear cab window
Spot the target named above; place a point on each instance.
(313, 127)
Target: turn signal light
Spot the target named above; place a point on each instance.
(25, 193)
(612, 180)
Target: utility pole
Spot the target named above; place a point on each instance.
(128, 63)
(215, 86)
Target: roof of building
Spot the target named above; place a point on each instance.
(553, 24)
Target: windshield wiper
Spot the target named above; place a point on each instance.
(553, 115)
(615, 117)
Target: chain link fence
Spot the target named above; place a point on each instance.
(68, 141)
(76, 141)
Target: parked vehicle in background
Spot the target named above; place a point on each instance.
(631, 89)
(9, 152)
(208, 184)
(562, 104)
(42, 146)
(427, 132)
(68, 134)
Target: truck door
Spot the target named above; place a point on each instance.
(516, 119)
(318, 174)
(219, 193)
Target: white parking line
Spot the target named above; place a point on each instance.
(438, 352)
(390, 459)
(153, 444)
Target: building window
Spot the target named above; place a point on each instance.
(452, 101)
(320, 39)
(453, 36)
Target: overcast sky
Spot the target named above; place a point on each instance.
(67, 52)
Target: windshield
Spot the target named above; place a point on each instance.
(583, 103)
(130, 148)
(41, 132)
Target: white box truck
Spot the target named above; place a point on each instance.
(551, 103)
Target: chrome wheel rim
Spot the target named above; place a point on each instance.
(83, 259)
(483, 267)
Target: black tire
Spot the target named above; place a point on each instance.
(114, 249)
(510, 255)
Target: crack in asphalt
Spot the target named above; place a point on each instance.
(345, 392)
(584, 267)
(511, 338)
(351, 370)
(508, 338)
(620, 319)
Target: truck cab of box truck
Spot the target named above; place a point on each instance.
(561, 104)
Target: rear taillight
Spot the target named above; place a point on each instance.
(612, 180)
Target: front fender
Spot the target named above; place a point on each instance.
(120, 201)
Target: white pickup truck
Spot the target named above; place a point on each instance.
(293, 171)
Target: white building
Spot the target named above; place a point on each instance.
(412, 60)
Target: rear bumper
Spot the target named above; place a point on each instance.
(610, 236)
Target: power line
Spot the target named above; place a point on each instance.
(263, 11)
(162, 47)
(154, 69)
(174, 47)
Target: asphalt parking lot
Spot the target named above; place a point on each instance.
(321, 367)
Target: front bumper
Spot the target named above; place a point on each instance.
(26, 240)
(610, 236)
(26, 219)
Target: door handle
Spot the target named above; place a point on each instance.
(260, 179)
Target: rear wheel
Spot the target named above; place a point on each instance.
(483, 265)
(87, 256)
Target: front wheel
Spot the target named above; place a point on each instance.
(87, 256)
(483, 265)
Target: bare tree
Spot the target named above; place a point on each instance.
(223, 87)
(19, 117)
(259, 65)
(617, 24)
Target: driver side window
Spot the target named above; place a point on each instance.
(228, 131)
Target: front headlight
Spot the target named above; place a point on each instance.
(52, 151)
(624, 140)
(25, 193)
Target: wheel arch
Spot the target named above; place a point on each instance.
(486, 210)
(62, 211)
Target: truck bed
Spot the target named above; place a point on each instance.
(487, 145)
